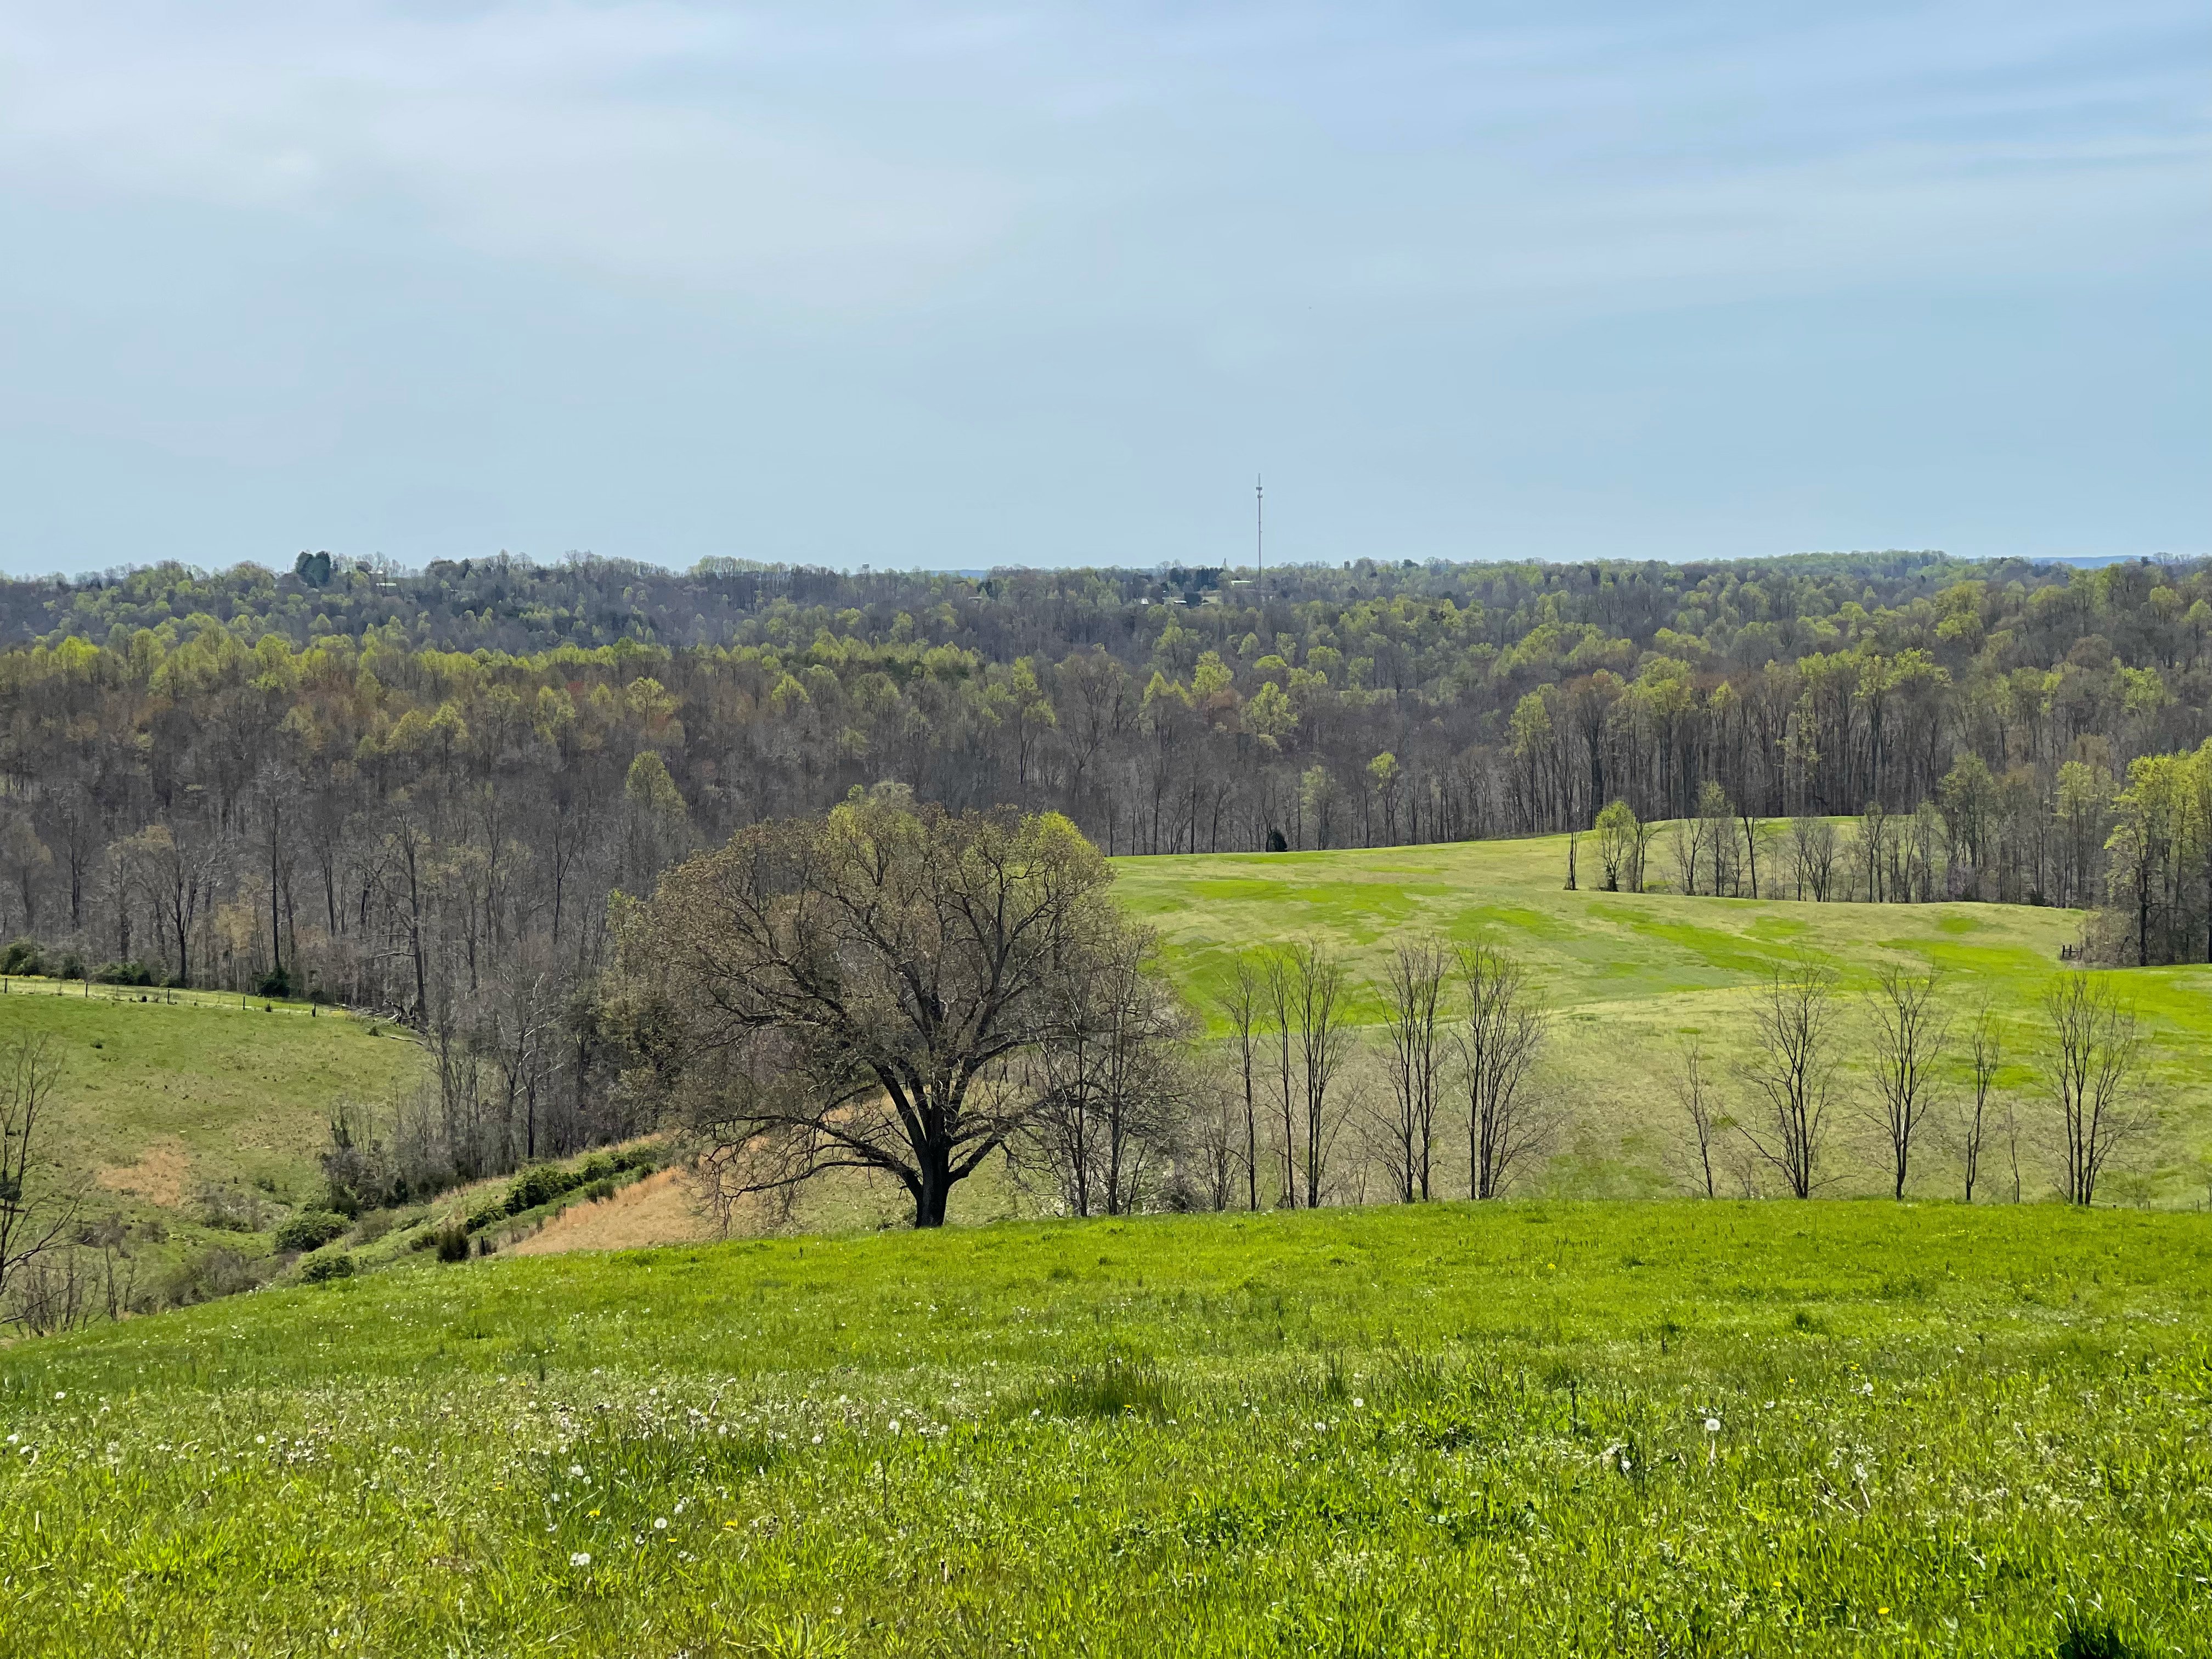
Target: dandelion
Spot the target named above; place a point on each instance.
(660, 1523)
(1884, 1610)
(576, 1469)
(1358, 1404)
(63, 1395)
(580, 1559)
(1712, 1425)
(894, 1426)
(817, 1439)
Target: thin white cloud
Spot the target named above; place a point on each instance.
(575, 135)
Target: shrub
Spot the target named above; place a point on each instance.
(22, 956)
(310, 1230)
(600, 1191)
(276, 983)
(318, 1269)
(72, 966)
(132, 972)
(214, 1272)
(452, 1241)
(233, 1209)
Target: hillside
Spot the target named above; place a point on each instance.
(1530, 1429)
(186, 1105)
(1632, 974)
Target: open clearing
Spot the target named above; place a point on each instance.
(1633, 974)
(161, 1099)
(1532, 1429)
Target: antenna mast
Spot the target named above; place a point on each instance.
(1260, 535)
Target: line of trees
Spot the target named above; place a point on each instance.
(1931, 1088)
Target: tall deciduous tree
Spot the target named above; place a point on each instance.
(847, 992)
(2089, 1063)
(1910, 1033)
(1414, 1015)
(1792, 1069)
(1500, 1040)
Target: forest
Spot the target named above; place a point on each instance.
(428, 793)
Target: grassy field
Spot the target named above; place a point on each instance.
(1532, 1429)
(164, 1101)
(1633, 974)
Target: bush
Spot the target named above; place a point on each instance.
(452, 1241)
(233, 1209)
(72, 966)
(310, 1230)
(22, 956)
(541, 1185)
(124, 973)
(275, 983)
(319, 1269)
(600, 1191)
(214, 1272)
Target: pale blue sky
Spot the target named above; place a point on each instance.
(956, 286)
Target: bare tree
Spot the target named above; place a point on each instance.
(1500, 1040)
(2012, 1144)
(1211, 1138)
(1910, 1033)
(1792, 1069)
(1693, 1083)
(1109, 1087)
(850, 992)
(1984, 1054)
(36, 1212)
(1244, 1004)
(2088, 1069)
(1412, 1016)
(1318, 985)
(1282, 997)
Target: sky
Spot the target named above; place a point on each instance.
(954, 286)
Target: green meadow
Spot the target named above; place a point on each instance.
(1679, 1429)
(188, 1103)
(1630, 975)
(1558, 1424)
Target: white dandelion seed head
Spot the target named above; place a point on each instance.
(576, 1469)
(1712, 1425)
(580, 1559)
(660, 1523)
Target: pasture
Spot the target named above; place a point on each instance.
(1631, 975)
(1533, 1429)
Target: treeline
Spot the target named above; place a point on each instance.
(419, 793)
